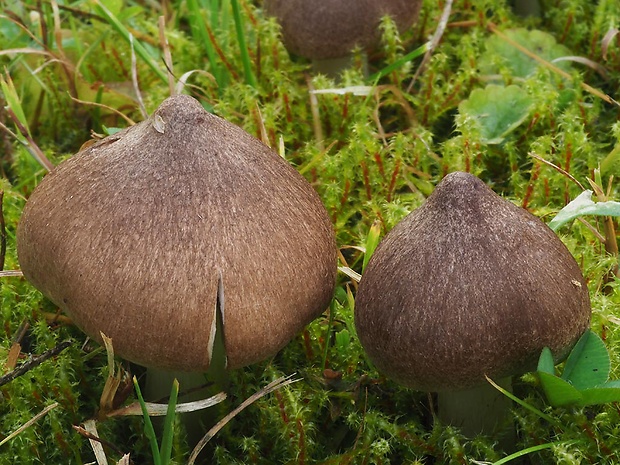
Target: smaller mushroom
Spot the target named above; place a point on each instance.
(467, 286)
(326, 31)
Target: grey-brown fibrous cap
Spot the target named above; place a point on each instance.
(321, 29)
(134, 235)
(467, 285)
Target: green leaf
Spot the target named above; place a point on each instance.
(372, 241)
(588, 364)
(343, 341)
(584, 205)
(611, 163)
(529, 450)
(115, 6)
(166, 441)
(149, 431)
(398, 63)
(501, 54)
(496, 111)
(546, 364)
(558, 392)
(600, 395)
(141, 51)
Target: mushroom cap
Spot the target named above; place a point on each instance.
(467, 285)
(142, 235)
(320, 29)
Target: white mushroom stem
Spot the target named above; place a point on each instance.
(479, 410)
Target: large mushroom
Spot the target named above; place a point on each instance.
(150, 233)
(465, 286)
(326, 31)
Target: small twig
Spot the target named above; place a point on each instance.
(434, 42)
(557, 168)
(277, 384)
(33, 362)
(95, 437)
(29, 423)
(2, 232)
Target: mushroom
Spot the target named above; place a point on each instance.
(467, 286)
(326, 31)
(156, 233)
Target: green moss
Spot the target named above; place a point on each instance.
(370, 158)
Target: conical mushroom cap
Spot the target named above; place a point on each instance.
(135, 235)
(467, 285)
(321, 29)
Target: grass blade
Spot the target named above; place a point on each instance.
(139, 48)
(148, 425)
(245, 56)
(166, 441)
(201, 35)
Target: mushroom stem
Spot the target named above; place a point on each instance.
(217, 378)
(525, 8)
(479, 410)
(333, 67)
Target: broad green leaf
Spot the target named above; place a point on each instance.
(588, 364)
(584, 205)
(600, 395)
(546, 364)
(558, 392)
(496, 111)
(501, 54)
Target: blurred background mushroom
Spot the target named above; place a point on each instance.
(467, 286)
(327, 31)
(158, 233)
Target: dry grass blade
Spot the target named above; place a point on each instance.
(182, 82)
(91, 427)
(441, 27)
(354, 275)
(24, 51)
(2, 232)
(155, 409)
(263, 131)
(493, 28)
(584, 61)
(134, 79)
(609, 36)
(101, 105)
(29, 423)
(167, 55)
(113, 381)
(316, 117)
(7, 273)
(277, 384)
